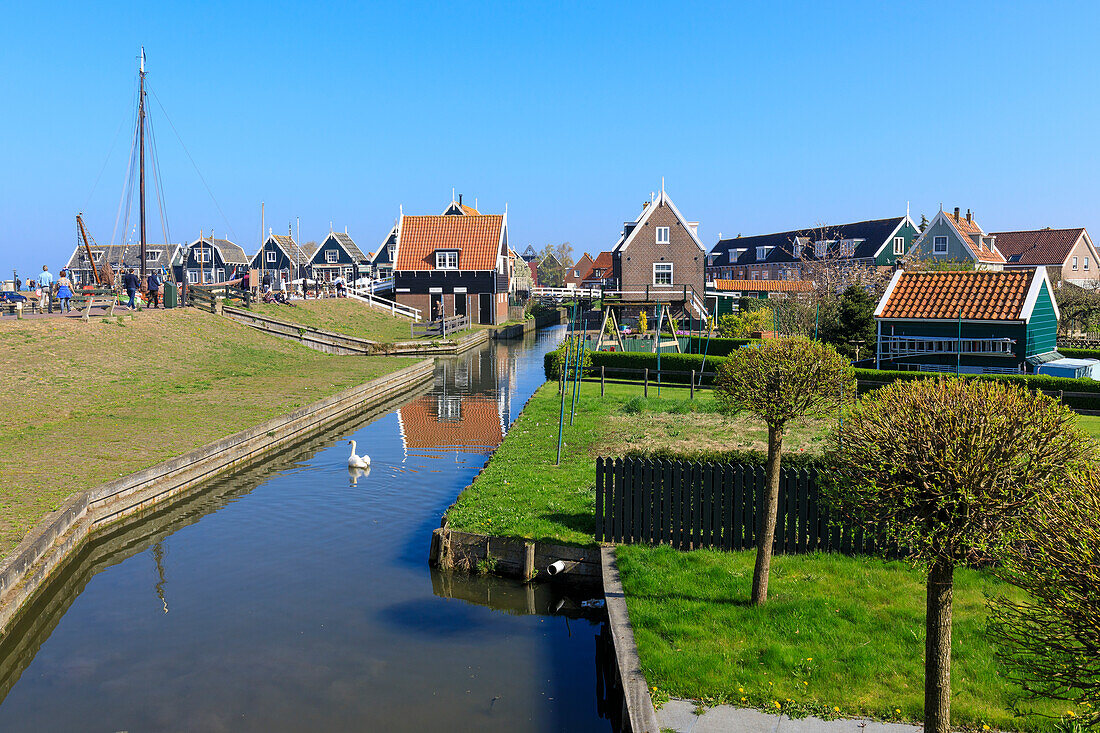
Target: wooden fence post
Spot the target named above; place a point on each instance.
(646, 387)
(601, 380)
(692, 384)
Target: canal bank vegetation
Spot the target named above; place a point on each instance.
(89, 402)
(344, 316)
(522, 493)
(840, 636)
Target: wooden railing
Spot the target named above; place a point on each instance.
(365, 295)
(690, 505)
(440, 327)
(205, 296)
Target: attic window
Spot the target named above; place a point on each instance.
(332, 256)
(270, 256)
(152, 255)
(899, 245)
(939, 245)
(202, 254)
(847, 247)
(762, 253)
(662, 235)
(821, 246)
(446, 259)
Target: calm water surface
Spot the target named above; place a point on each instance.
(296, 596)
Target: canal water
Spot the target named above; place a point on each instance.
(296, 595)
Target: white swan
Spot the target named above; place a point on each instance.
(355, 461)
(354, 474)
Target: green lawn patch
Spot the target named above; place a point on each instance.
(88, 402)
(523, 494)
(839, 636)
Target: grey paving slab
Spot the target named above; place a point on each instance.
(679, 715)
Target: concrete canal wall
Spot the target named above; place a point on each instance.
(62, 533)
(517, 330)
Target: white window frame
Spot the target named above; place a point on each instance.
(762, 253)
(152, 255)
(669, 270)
(1075, 263)
(899, 245)
(271, 256)
(203, 254)
(331, 257)
(1086, 263)
(664, 235)
(936, 241)
(192, 277)
(446, 259)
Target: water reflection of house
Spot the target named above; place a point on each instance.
(444, 423)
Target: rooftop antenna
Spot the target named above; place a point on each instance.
(330, 227)
(662, 185)
(452, 194)
(906, 209)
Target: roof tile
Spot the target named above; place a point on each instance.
(982, 295)
(475, 236)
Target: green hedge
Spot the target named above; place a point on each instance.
(1080, 353)
(744, 457)
(1028, 381)
(635, 360)
(717, 347)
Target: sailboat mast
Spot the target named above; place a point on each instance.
(141, 157)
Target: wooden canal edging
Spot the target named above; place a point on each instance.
(517, 330)
(511, 557)
(440, 327)
(46, 548)
(690, 505)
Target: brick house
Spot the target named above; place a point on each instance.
(453, 265)
(789, 255)
(659, 260)
(1066, 253)
(978, 322)
(601, 274)
(576, 273)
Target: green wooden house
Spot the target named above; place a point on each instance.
(973, 322)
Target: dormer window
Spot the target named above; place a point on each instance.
(821, 247)
(662, 235)
(847, 247)
(446, 259)
(152, 255)
(762, 253)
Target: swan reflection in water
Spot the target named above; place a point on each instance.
(355, 473)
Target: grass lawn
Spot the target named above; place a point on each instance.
(837, 632)
(523, 494)
(343, 315)
(88, 402)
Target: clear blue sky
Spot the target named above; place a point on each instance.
(761, 117)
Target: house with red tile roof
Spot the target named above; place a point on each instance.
(970, 322)
(1068, 253)
(450, 265)
(955, 238)
(600, 274)
(576, 273)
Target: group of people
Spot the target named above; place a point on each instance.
(47, 289)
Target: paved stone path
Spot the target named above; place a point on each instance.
(679, 715)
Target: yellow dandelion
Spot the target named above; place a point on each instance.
(809, 659)
(836, 709)
(1070, 713)
(805, 682)
(742, 699)
(740, 689)
(985, 727)
(777, 703)
(897, 710)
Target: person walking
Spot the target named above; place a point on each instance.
(45, 282)
(18, 284)
(131, 283)
(64, 291)
(154, 282)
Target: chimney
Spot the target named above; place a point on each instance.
(460, 199)
(956, 213)
(969, 216)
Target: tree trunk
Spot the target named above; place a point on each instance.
(937, 648)
(765, 531)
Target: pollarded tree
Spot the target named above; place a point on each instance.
(781, 380)
(947, 469)
(1050, 642)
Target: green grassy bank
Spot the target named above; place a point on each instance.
(88, 402)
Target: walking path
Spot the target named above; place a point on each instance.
(679, 715)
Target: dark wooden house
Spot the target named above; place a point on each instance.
(283, 259)
(159, 257)
(453, 265)
(339, 255)
(209, 260)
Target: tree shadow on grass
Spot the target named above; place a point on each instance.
(584, 523)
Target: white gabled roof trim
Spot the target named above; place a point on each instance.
(889, 290)
(662, 198)
(1033, 291)
(890, 239)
